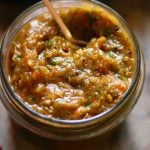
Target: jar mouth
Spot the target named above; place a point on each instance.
(47, 120)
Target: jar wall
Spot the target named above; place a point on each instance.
(59, 129)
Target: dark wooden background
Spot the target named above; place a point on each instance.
(133, 134)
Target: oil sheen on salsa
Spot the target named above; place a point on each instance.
(66, 81)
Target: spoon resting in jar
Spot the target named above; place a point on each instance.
(61, 24)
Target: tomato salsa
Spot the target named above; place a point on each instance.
(67, 81)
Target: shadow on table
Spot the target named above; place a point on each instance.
(114, 140)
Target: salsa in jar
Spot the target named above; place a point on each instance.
(63, 80)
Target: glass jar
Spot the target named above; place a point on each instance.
(68, 129)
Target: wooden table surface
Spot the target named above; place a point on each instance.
(133, 134)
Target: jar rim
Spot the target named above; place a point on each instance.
(45, 119)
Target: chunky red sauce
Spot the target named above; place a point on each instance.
(63, 80)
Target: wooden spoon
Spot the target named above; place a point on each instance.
(61, 24)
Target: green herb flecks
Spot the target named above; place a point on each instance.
(119, 76)
(112, 54)
(89, 97)
(69, 60)
(108, 31)
(32, 99)
(50, 42)
(89, 105)
(56, 60)
(53, 63)
(16, 57)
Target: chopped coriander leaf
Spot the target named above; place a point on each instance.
(108, 31)
(89, 105)
(33, 98)
(89, 97)
(17, 69)
(69, 60)
(119, 76)
(112, 54)
(53, 63)
(70, 75)
(56, 60)
(16, 57)
(50, 42)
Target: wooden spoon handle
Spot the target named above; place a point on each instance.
(59, 21)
